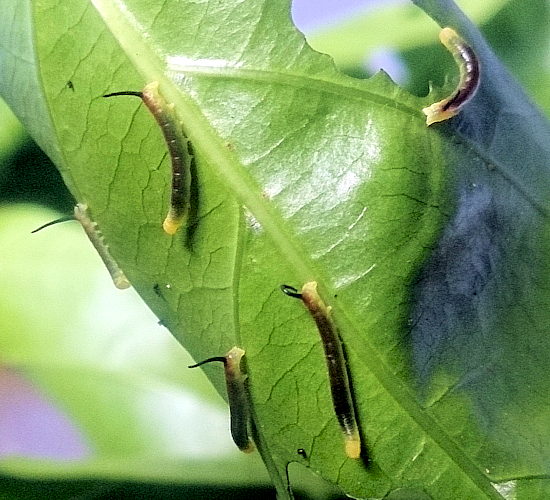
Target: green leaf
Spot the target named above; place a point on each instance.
(428, 244)
(103, 362)
(96, 396)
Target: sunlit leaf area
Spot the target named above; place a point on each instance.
(386, 280)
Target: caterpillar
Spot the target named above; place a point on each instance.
(180, 152)
(236, 395)
(469, 68)
(336, 364)
(96, 238)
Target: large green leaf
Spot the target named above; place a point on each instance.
(95, 395)
(429, 244)
(105, 363)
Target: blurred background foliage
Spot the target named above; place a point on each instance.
(147, 427)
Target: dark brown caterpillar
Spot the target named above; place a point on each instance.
(336, 364)
(178, 147)
(468, 65)
(237, 396)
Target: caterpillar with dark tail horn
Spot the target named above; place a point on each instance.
(180, 154)
(336, 364)
(237, 396)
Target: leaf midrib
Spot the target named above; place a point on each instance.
(204, 137)
(372, 361)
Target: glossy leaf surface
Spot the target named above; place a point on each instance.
(429, 244)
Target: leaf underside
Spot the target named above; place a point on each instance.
(430, 245)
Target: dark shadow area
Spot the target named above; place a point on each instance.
(193, 224)
(29, 176)
(22, 489)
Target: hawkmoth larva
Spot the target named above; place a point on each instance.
(237, 396)
(95, 236)
(336, 364)
(180, 154)
(469, 68)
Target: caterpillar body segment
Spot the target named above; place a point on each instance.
(470, 74)
(237, 396)
(336, 364)
(180, 151)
